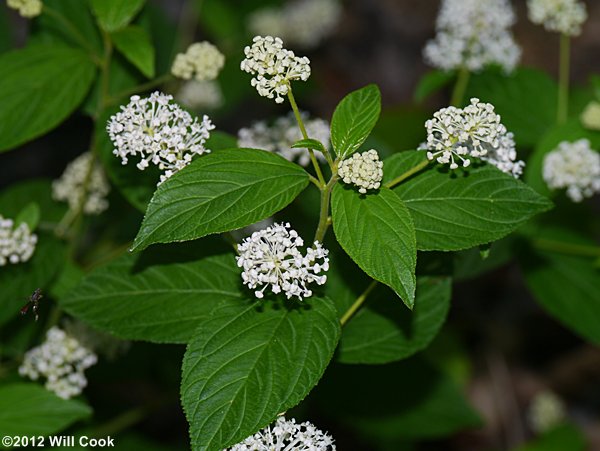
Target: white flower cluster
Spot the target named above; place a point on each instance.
(590, 117)
(26, 8)
(284, 132)
(271, 257)
(287, 435)
(159, 132)
(546, 411)
(473, 34)
(70, 186)
(575, 166)
(363, 170)
(200, 95)
(273, 67)
(201, 60)
(61, 360)
(562, 16)
(16, 244)
(473, 131)
(304, 23)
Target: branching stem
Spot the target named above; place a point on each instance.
(358, 303)
(422, 165)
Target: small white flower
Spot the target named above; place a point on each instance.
(284, 132)
(200, 95)
(273, 67)
(575, 166)
(158, 131)
(473, 34)
(202, 60)
(70, 186)
(455, 134)
(546, 411)
(304, 23)
(363, 170)
(287, 435)
(26, 8)
(62, 360)
(562, 16)
(271, 258)
(590, 118)
(17, 245)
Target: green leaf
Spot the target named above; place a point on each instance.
(381, 332)
(309, 144)
(39, 87)
(218, 192)
(114, 15)
(431, 82)
(221, 140)
(250, 361)
(526, 100)
(455, 210)
(561, 438)
(565, 285)
(20, 280)
(39, 191)
(160, 302)
(377, 232)
(6, 31)
(354, 118)
(30, 215)
(134, 43)
(30, 409)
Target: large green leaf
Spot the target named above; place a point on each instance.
(249, 362)
(113, 15)
(526, 100)
(560, 438)
(134, 43)
(218, 192)
(382, 332)
(455, 210)
(161, 302)
(377, 232)
(354, 118)
(39, 87)
(31, 410)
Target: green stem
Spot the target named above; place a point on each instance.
(460, 87)
(566, 248)
(305, 135)
(358, 303)
(407, 174)
(562, 111)
(324, 210)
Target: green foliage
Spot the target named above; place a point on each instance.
(213, 195)
(309, 144)
(377, 232)
(31, 410)
(454, 210)
(353, 119)
(39, 191)
(381, 332)
(39, 87)
(431, 82)
(114, 15)
(250, 361)
(29, 215)
(560, 438)
(134, 43)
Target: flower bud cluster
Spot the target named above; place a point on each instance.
(286, 435)
(303, 23)
(201, 60)
(363, 170)
(26, 8)
(473, 34)
(61, 360)
(456, 134)
(273, 67)
(77, 181)
(282, 134)
(546, 411)
(17, 245)
(271, 258)
(574, 166)
(561, 16)
(158, 131)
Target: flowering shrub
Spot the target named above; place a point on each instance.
(236, 269)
